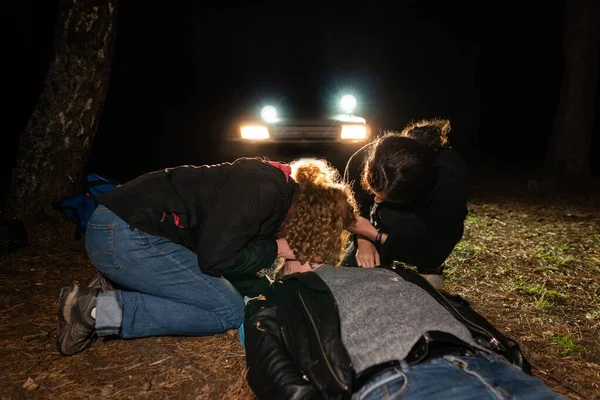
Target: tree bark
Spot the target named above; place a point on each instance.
(569, 144)
(56, 143)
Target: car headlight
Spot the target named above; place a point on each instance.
(269, 114)
(254, 132)
(354, 132)
(348, 103)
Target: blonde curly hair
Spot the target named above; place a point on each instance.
(317, 223)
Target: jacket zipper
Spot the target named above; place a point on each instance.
(495, 342)
(312, 321)
(287, 345)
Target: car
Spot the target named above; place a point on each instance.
(286, 137)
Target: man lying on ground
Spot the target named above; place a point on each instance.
(384, 333)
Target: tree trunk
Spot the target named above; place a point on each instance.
(55, 146)
(569, 145)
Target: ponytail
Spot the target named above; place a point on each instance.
(432, 133)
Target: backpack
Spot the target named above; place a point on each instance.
(79, 207)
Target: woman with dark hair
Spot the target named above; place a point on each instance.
(413, 187)
(177, 249)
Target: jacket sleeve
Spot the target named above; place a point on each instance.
(272, 373)
(352, 176)
(407, 237)
(418, 242)
(227, 243)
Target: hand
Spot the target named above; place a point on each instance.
(284, 250)
(364, 228)
(367, 255)
(360, 225)
(291, 267)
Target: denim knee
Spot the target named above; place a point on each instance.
(233, 316)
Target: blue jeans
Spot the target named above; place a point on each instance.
(164, 291)
(459, 378)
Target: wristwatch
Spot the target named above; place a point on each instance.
(378, 239)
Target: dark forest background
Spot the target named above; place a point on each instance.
(182, 71)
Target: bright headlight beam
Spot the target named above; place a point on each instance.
(348, 103)
(354, 132)
(269, 114)
(254, 132)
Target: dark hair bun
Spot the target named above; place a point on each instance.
(432, 133)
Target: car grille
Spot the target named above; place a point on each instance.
(314, 133)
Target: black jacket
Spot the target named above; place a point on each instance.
(426, 233)
(293, 341)
(228, 214)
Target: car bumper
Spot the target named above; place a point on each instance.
(336, 152)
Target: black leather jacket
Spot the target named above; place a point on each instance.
(294, 348)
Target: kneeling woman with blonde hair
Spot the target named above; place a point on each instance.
(177, 249)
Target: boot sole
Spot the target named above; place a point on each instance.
(64, 313)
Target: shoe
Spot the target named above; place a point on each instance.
(76, 327)
(98, 281)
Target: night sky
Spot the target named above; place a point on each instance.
(183, 72)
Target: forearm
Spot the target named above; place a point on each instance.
(249, 259)
(364, 230)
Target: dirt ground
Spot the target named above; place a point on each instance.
(529, 261)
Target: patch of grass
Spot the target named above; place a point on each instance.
(450, 271)
(525, 286)
(474, 219)
(528, 287)
(543, 297)
(543, 304)
(466, 248)
(545, 267)
(592, 262)
(567, 346)
(539, 274)
(553, 294)
(464, 252)
(556, 255)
